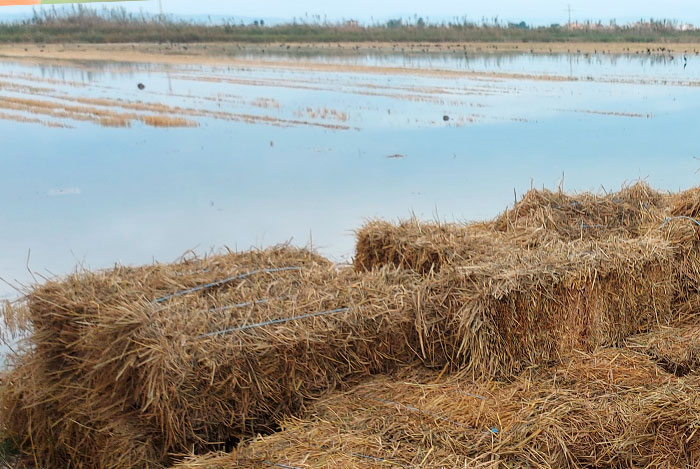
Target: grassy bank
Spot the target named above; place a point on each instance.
(85, 25)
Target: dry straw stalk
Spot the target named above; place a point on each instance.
(611, 408)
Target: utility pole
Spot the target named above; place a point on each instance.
(160, 6)
(568, 7)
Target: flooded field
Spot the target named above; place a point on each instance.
(277, 146)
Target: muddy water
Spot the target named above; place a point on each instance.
(281, 148)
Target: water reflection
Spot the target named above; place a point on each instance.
(574, 63)
(581, 63)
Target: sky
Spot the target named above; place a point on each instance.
(531, 11)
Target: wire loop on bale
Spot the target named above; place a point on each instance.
(374, 458)
(218, 283)
(682, 217)
(246, 303)
(276, 464)
(272, 321)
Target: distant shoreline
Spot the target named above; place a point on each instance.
(225, 53)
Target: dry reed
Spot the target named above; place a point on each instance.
(31, 120)
(97, 114)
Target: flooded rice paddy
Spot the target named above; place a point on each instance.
(274, 146)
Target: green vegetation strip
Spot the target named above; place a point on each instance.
(86, 25)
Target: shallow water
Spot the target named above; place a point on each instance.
(297, 148)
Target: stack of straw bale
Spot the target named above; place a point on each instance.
(129, 366)
(541, 218)
(611, 408)
(134, 367)
(536, 220)
(557, 272)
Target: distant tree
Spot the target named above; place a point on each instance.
(420, 23)
(262, 22)
(521, 25)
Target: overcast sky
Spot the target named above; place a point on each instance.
(531, 11)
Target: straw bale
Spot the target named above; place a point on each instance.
(270, 371)
(58, 309)
(611, 408)
(626, 213)
(536, 306)
(426, 247)
(118, 372)
(675, 349)
(684, 234)
(644, 427)
(536, 220)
